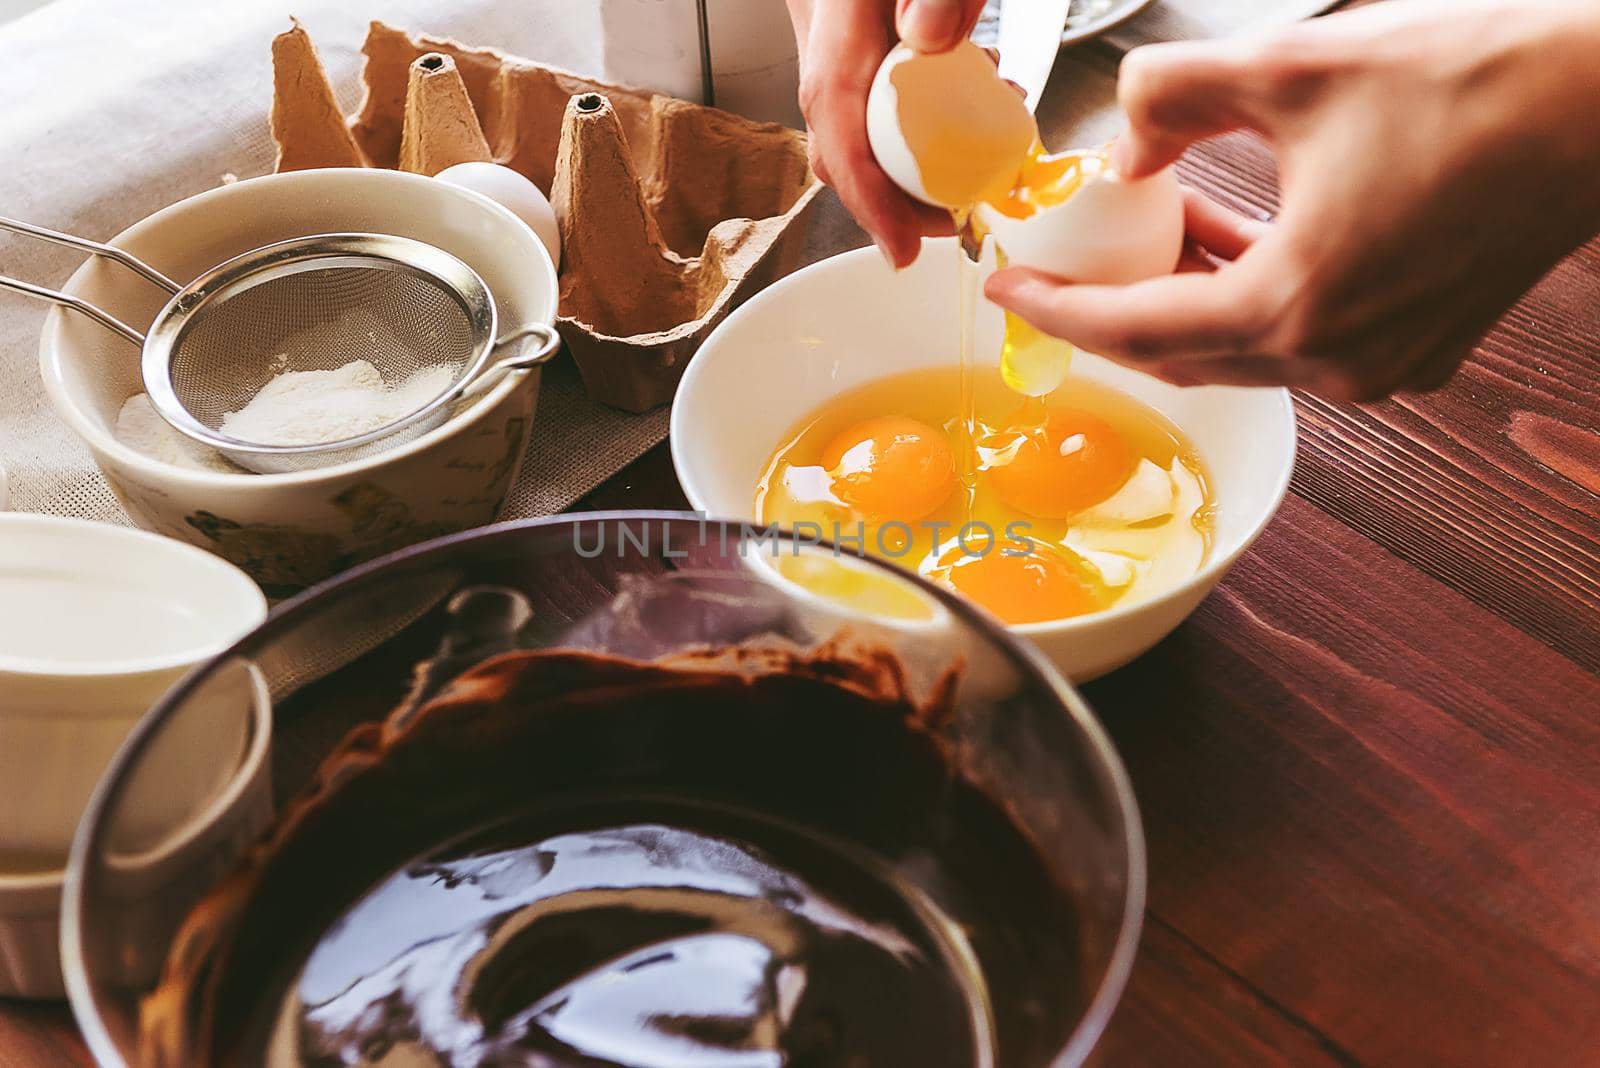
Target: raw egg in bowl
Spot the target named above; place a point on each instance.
(860, 360)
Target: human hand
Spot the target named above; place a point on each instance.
(1435, 158)
(842, 43)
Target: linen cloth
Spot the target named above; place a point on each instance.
(112, 109)
(1181, 20)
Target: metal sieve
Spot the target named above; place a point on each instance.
(308, 304)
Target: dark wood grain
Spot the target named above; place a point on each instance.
(1184, 1009)
(1365, 806)
(1488, 486)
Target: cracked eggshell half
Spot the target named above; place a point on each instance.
(945, 127)
(1111, 231)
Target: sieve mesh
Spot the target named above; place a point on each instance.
(319, 314)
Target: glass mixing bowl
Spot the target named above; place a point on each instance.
(662, 590)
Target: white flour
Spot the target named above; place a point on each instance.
(309, 407)
(141, 428)
(295, 408)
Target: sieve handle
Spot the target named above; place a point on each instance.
(526, 355)
(94, 248)
(77, 304)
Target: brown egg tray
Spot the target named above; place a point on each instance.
(671, 213)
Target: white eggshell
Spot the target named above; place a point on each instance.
(962, 90)
(514, 192)
(1110, 232)
(883, 128)
(1116, 569)
(1148, 494)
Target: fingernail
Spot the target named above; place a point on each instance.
(888, 257)
(1003, 287)
(931, 25)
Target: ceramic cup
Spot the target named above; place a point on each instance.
(96, 622)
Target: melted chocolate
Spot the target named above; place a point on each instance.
(699, 864)
(636, 944)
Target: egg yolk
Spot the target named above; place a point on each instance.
(892, 467)
(1032, 588)
(1047, 180)
(1059, 468)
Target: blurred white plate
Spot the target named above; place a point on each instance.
(1086, 19)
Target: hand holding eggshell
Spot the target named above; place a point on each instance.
(945, 128)
(951, 133)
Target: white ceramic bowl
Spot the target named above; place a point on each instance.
(291, 530)
(850, 320)
(96, 622)
(205, 826)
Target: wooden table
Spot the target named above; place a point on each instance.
(1369, 765)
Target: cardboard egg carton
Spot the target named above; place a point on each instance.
(671, 213)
